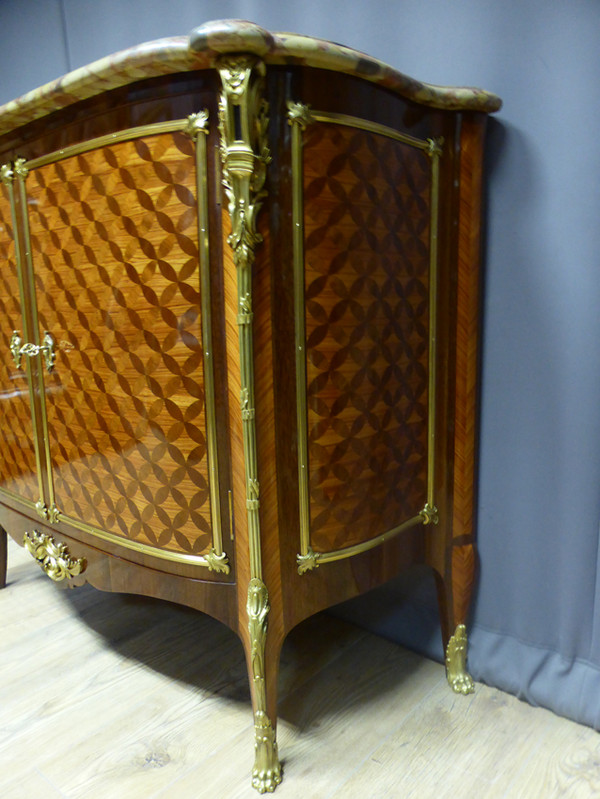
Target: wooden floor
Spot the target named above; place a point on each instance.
(115, 697)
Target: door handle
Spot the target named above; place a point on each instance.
(18, 349)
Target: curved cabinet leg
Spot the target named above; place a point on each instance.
(3, 556)
(263, 662)
(455, 588)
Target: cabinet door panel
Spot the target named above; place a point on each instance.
(115, 249)
(18, 472)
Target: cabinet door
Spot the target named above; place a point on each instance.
(115, 250)
(20, 475)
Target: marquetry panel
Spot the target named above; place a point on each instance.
(367, 258)
(17, 453)
(115, 249)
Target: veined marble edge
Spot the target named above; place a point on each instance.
(205, 44)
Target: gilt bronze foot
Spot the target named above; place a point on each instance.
(458, 677)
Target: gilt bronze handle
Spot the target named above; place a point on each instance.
(18, 349)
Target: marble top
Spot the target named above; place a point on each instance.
(205, 44)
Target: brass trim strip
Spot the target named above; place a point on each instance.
(198, 130)
(370, 127)
(29, 503)
(230, 509)
(144, 549)
(299, 116)
(49, 510)
(19, 173)
(110, 138)
(357, 549)
(434, 151)
(298, 123)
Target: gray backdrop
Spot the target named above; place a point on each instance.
(535, 626)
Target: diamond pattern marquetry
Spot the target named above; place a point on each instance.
(114, 240)
(17, 454)
(366, 216)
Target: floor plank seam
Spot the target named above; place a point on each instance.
(49, 781)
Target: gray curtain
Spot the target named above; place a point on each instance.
(535, 628)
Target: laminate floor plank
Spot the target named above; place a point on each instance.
(476, 735)
(107, 696)
(150, 746)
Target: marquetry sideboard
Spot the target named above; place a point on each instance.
(238, 316)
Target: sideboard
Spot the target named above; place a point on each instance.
(239, 327)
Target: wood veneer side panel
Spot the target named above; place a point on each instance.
(236, 436)
(283, 85)
(270, 529)
(438, 535)
(264, 333)
(467, 349)
(336, 581)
